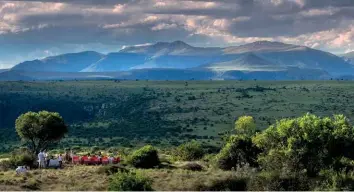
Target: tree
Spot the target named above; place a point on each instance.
(245, 125)
(309, 143)
(40, 129)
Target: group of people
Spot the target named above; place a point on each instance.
(44, 160)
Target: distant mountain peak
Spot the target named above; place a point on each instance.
(262, 46)
(180, 43)
(174, 44)
(269, 44)
(169, 48)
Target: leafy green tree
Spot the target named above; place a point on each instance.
(245, 125)
(40, 129)
(306, 144)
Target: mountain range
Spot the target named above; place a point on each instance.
(180, 61)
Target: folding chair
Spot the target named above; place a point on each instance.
(86, 160)
(105, 160)
(76, 159)
(95, 160)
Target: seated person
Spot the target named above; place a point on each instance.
(110, 158)
(20, 169)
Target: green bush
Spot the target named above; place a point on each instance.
(238, 151)
(336, 181)
(189, 151)
(129, 182)
(5, 165)
(94, 149)
(145, 157)
(192, 166)
(22, 158)
(308, 143)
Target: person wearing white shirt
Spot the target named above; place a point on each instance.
(41, 160)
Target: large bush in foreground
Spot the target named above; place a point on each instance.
(189, 151)
(307, 144)
(238, 151)
(131, 181)
(145, 157)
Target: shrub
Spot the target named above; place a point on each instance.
(238, 151)
(189, 151)
(94, 149)
(192, 166)
(145, 157)
(22, 157)
(129, 182)
(307, 143)
(245, 125)
(336, 181)
(273, 181)
(5, 165)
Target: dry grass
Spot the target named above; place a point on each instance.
(76, 178)
(82, 178)
(184, 180)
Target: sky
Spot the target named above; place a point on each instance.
(31, 29)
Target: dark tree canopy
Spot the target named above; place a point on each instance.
(40, 129)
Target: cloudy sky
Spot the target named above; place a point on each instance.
(32, 29)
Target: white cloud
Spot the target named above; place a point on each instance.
(318, 12)
(119, 8)
(164, 26)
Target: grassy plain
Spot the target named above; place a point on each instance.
(164, 113)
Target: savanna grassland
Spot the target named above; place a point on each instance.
(164, 113)
(198, 135)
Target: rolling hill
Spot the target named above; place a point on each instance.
(72, 62)
(178, 60)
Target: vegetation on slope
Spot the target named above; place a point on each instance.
(164, 113)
